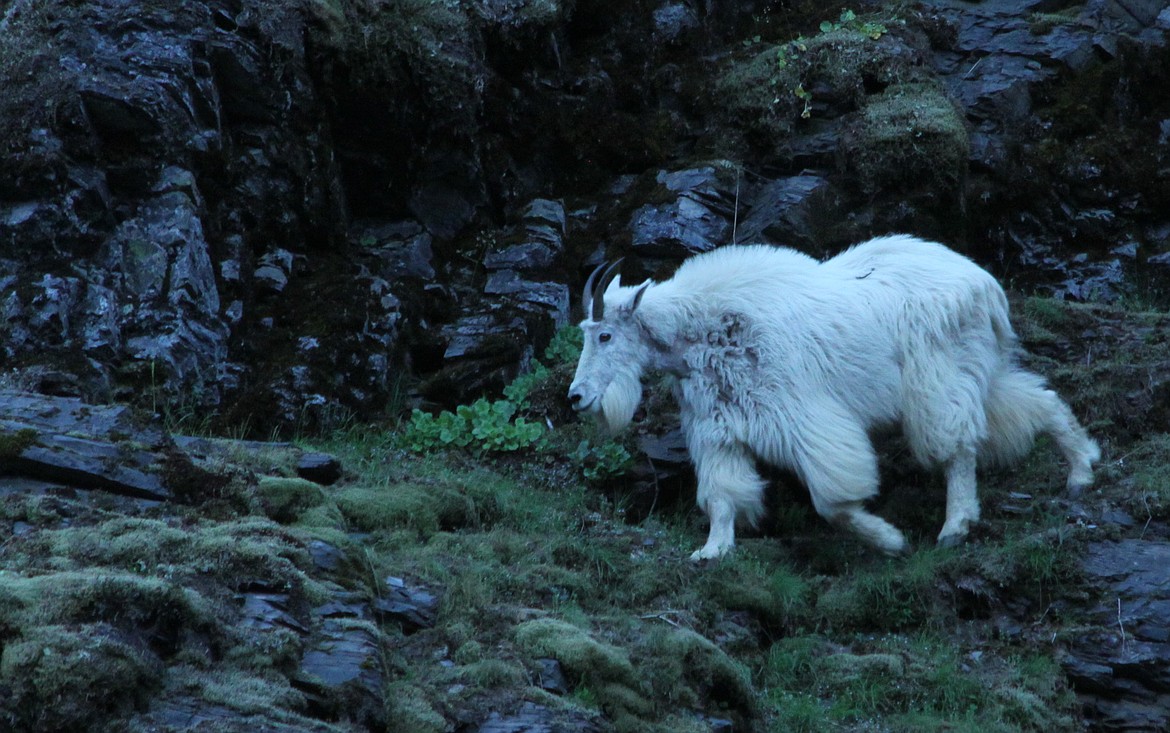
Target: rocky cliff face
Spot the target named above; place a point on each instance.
(277, 211)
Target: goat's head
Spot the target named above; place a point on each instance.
(608, 381)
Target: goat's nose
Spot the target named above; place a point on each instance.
(575, 396)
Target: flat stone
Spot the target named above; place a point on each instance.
(321, 468)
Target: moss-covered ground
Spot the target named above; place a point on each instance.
(108, 616)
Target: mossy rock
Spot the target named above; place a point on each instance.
(768, 93)
(410, 711)
(117, 597)
(691, 672)
(909, 135)
(235, 552)
(602, 669)
(286, 499)
(72, 677)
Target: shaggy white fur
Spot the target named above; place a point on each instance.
(792, 361)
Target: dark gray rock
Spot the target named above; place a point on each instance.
(449, 194)
(527, 256)
(340, 655)
(82, 445)
(550, 298)
(786, 211)
(1121, 668)
(402, 248)
(672, 20)
(551, 677)
(273, 271)
(325, 556)
(697, 220)
(321, 468)
(412, 608)
(544, 223)
(264, 610)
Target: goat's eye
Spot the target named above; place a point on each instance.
(603, 337)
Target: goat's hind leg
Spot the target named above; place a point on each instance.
(840, 470)
(962, 499)
(1078, 448)
(872, 529)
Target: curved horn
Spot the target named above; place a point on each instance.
(587, 296)
(599, 294)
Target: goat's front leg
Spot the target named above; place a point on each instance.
(728, 486)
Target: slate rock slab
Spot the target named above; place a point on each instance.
(1121, 667)
(88, 446)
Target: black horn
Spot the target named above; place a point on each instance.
(599, 293)
(587, 296)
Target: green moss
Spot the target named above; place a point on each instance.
(778, 596)
(234, 552)
(96, 596)
(15, 442)
(408, 710)
(71, 678)
(487, 673)
(601, 667)
(691, 672)
(239, 691)
(1150, 462)
(909, 134)
(767, 93)
(286, 499)
(757, 95)
(916, 683)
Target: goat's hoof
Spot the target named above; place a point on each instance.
(1078, 481)
(952, 540)
(709, 553)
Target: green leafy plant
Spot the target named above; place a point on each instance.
(787, 53)
(565, 346)
(849, 21)
(601, 463)
(492, 426)
(484, 426)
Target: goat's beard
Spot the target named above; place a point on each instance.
(618, 403)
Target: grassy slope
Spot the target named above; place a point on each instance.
(803, 625)
(802, 629)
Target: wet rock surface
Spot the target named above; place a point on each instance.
(1122, 670)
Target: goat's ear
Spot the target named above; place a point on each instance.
(638, 296)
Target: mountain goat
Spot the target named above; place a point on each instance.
(790, 361)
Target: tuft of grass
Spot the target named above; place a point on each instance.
(1149, 461)
(773, 592)
(890, 594)
(914, 683)
(689, 671)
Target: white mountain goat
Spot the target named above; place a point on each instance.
(791, 361)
